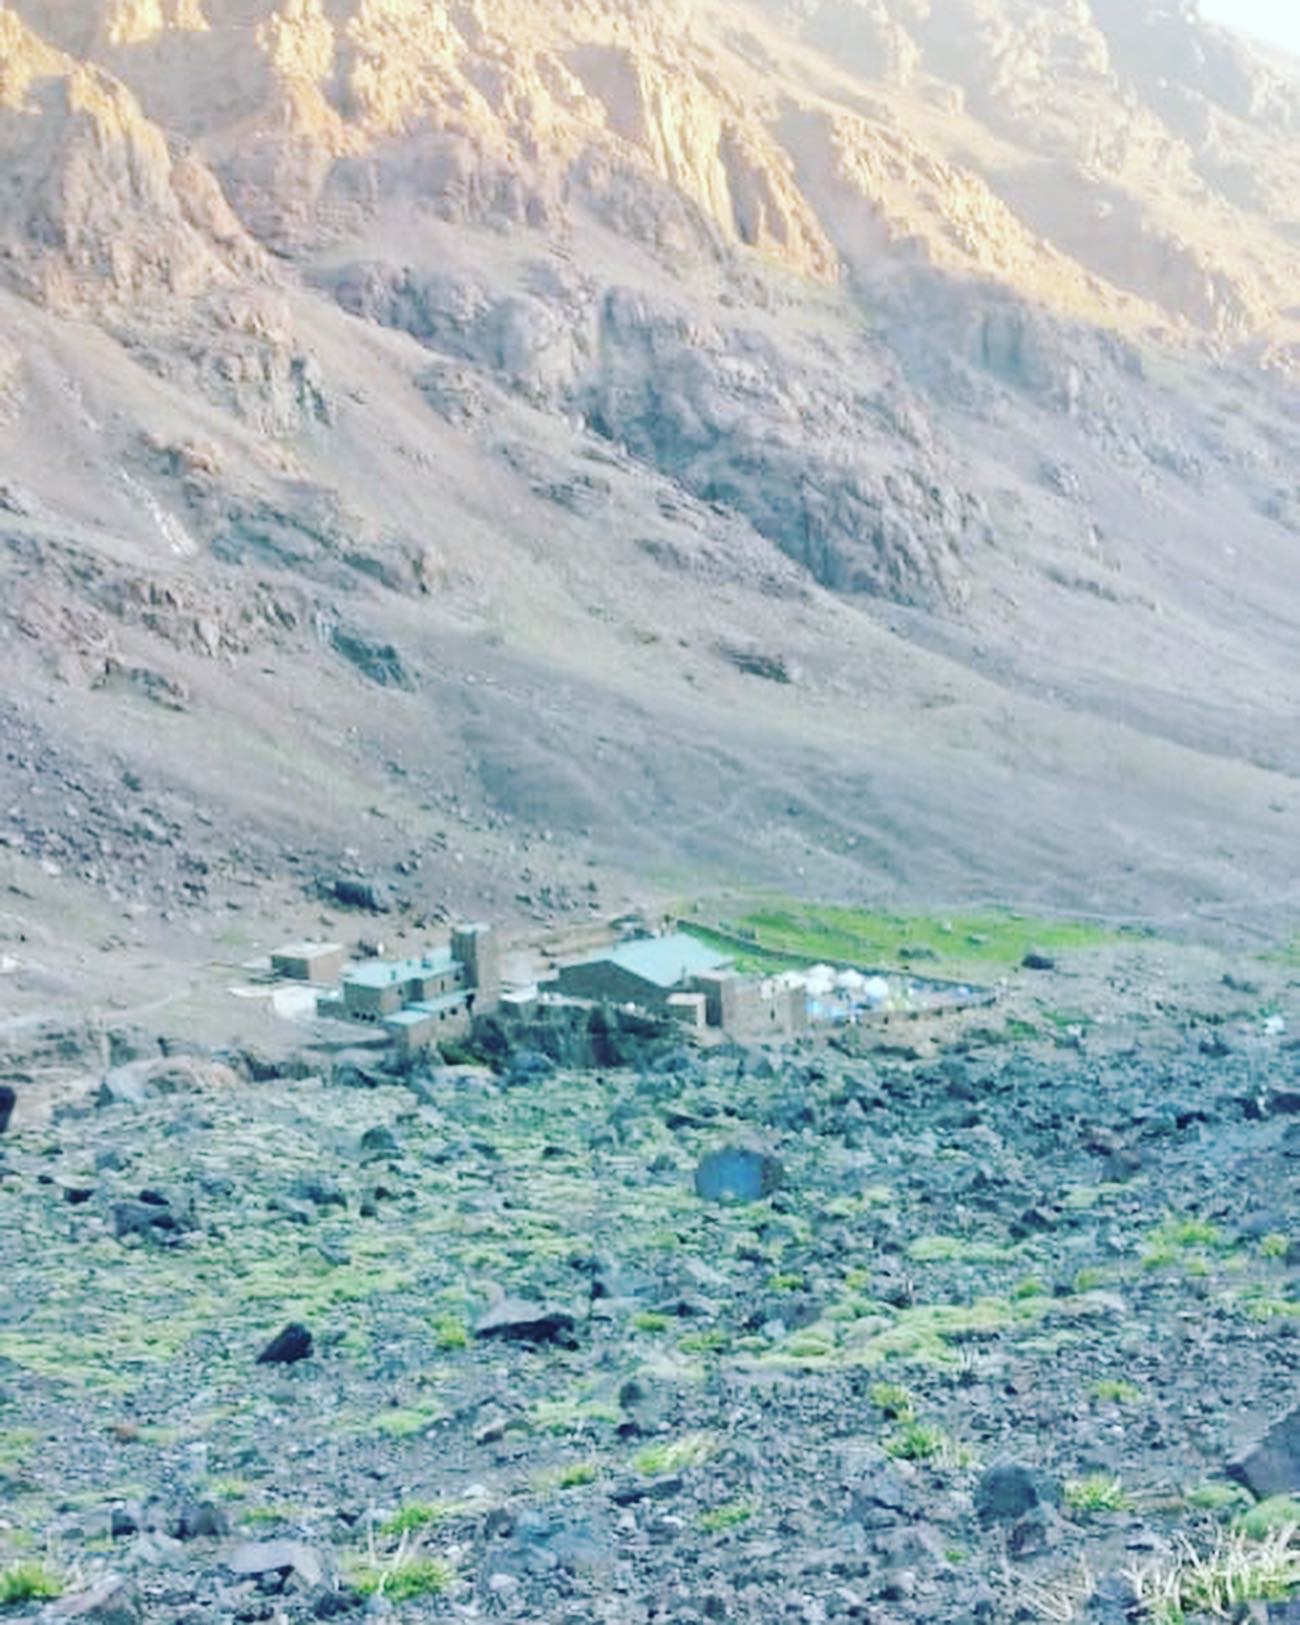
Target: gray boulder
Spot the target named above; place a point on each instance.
(1272, 1467)
(112, 1602)
(737, 1173)
(256, 1558)
(518, 1320)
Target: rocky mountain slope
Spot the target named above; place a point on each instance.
(859, 435)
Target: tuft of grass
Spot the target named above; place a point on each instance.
(1098, 1492)
(1216, 1497)
(576, 1474)
(895, 1400)
(406, 1578)
(957, 1250)
(1059, 1599)
(649, 1321)
(450, 1334)
(411, 1519)
(1115, 1391)
(730, 1516)
(1235, 1573)
(1180, 1241)
(922, 1441)
(28, 1582)
(1275, 1246)
(404, 1423)
(660, 1460)
(1030, 1287)
(1280, 1512)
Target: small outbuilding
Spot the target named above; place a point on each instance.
(317, 962)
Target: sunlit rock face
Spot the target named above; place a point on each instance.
(1126, 163)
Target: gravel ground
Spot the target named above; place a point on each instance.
(989, 1342)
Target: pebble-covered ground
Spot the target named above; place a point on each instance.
(985, 1350)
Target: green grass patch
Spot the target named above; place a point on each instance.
(896, 1401)
(781, 932)
(1279, 1512)
(28, 1582)
(1098, 1492)
(1216, 1497)
(661, 1460)
(406, 1579)
(410, 1520)
(1115, 1391)
(450, 1335)
(958, 1250)
(731, 1516)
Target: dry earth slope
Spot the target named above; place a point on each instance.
(849, 441)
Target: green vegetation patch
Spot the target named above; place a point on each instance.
(28, 1582)
(784, 931)
(731, 1516)
(958, 1250)
(1279, 1513)
(1097, 1492)
(661, 1460)
(405, 1579)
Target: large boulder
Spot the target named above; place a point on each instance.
(737, 1173)
(1272, 1467)
(8, 1100)
(520, 1320)
(261, 1557)
(112, 1602)
(294, 1343)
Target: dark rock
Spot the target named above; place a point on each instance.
(646, 1407)
(737, 1174)
(155, 1221)
(283, 1557)
(529, 1066)
(8, 1100)
(353, 892)
(294, 1343)
(515, 1320)
(380, 662)
(1007, 1493)
(1122, 1164)
(203, 1520)
(1281, 1102)
(646, 1489)
(1037, 1532)
(884, 1500)
(112, 1602)
(334, 1604)
(1036, 960)
(1272, 1467)
(380, 1141)
(78, 1195)
(1113, 1601)
(124, 1521)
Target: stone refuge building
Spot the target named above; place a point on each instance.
(680, 976)
(432, 996)
(318, 962)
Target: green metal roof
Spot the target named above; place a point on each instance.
(664, 961)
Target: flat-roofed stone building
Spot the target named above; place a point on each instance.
(317, 962)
